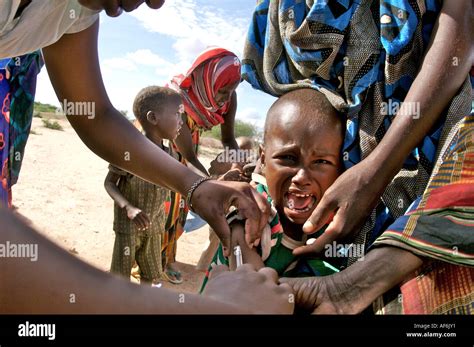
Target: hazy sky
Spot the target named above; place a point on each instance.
(147, 47)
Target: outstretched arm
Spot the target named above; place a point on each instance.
(185, 146)
(227, 128)
(355, 288)
(73, 67)
(35, 286)
(444, 68)
(74, 71)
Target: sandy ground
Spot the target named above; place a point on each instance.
(61, 191)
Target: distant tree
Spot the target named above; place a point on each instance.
(39, 107)
(241, 128)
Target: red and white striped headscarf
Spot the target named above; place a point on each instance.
(212, 70)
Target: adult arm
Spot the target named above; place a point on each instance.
(35, 286)
(74, 70)
(227, 128)
(185, 145)
(444, 68)
(355, 288)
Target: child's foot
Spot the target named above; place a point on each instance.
(135, 273)
(174, 276)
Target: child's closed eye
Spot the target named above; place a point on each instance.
(287, 158)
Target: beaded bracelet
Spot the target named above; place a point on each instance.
(192, 189)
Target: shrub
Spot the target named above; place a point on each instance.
(39, 107)
(52, 125)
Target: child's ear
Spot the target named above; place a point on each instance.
(151, 117)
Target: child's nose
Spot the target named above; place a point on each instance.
(302, 177)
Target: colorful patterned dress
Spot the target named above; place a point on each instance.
(17, 93)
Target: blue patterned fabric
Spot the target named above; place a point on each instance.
(17, 91)
(364, 56)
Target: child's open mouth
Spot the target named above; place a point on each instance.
(299, 202)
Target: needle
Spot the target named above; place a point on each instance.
(238, 256)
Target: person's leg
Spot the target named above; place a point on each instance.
(149, 259)
(123, 255)
(209, 251)
(169, 253)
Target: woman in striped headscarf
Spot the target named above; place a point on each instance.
(209, 99)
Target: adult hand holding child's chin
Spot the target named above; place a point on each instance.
(345, 206)
(212, 199)
(251, 291)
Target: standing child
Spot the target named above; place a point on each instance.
(139, 214)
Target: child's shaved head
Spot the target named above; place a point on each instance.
(305, 109)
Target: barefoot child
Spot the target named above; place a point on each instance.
(139, 214)
(300, 159)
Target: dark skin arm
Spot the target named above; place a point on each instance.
(74, 70)
(140, 218)
(185, 146)
(249, 255)
(227, 128)
(352, 290)
(444, 68)
(32, 287)
(74, 58)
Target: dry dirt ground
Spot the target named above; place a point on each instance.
(61, 192)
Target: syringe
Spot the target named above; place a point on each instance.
(238, 256)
